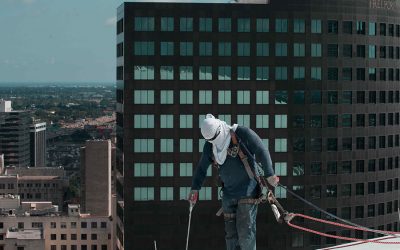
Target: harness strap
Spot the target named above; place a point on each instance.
(229, 216)
(243, 157)
(249, 201)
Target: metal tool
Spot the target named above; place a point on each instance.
(188, 230)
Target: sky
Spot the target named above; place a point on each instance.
(58, 40)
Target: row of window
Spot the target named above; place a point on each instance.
(205, 24)
(73, 237)
(331, 191)
(261, 49)
(75, 247)
(314, 192)
(315, 168)
(260, 73)
(280, 144)
(343, 167)
(263, 97)
(347, 143)
(93, 224)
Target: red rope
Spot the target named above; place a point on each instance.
(339, 225)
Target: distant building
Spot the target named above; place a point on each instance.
(35, 184)
(38, 144)
(96, 177)
(14, 135)
(40, 223)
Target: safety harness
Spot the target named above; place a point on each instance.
(264, 194)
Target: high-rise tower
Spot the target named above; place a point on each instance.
(318, 81)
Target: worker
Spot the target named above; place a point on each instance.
(241, 192)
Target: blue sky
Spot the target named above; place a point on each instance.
(58, 41)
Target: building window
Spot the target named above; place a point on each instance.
(205, 193)
(262, 121)
(331, 191)
(332, 26)
(299, 26)
(281, 145)
(347, 27)
(166, 169)
(280, 193)
(331, 144)
(316, 73)
(166, 121)
(299, 144)
(143, 121)
(347, 50)
(205, 97)
(167, 73)
(143, 72)
(262, 49)
(243, 97)
(243, 49)
(224, 73)
(262, 97)
(224, 97)
(372, 74)
(243, 25)
(167, 24)
(346, 190)
(167, 48)
(144, 23)
(299, 73)
(185, 73)
(166, 145)
(186, 97)
(298, 49)
(333, 74)
(166, 97)
(243, 120)
(315, 192)
(316, 50)
(186, 121)
(186, 49)
(316, 97)
(262, 73)
(224, 25)
(333, 50)
(166, 193)
(316, 26)
(281, 49)
(186, 24)
(281, 97)
(143, 169)
(371, 51)
(224, 49)
(205, 49)
(281, 25)
(185, 169)
(144, 48)
(243, 73)
(347, 74)
(143, 193)
(281, 73)
(205, 73)
(298, 168)
(262, 25)
(185, 145)
(361, 51)
(280, 121)
(205, 24)
(331, 168)
(281, 168)
(143, 145)
(372, 28)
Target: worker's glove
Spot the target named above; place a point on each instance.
(193, 197)
(273, 180)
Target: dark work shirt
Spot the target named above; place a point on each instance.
(232, 172)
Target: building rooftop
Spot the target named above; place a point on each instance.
(41, 178)
(371, 246)
(27, 234)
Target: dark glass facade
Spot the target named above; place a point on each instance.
(318, 82)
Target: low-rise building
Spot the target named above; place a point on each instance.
(59, 231)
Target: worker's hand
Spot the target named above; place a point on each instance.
(193, 197)
(273, 180)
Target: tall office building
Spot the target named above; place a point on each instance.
(317, 80)
(14, 135)
(37, 134)
(96, 177)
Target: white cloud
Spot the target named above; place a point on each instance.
(110, 21)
